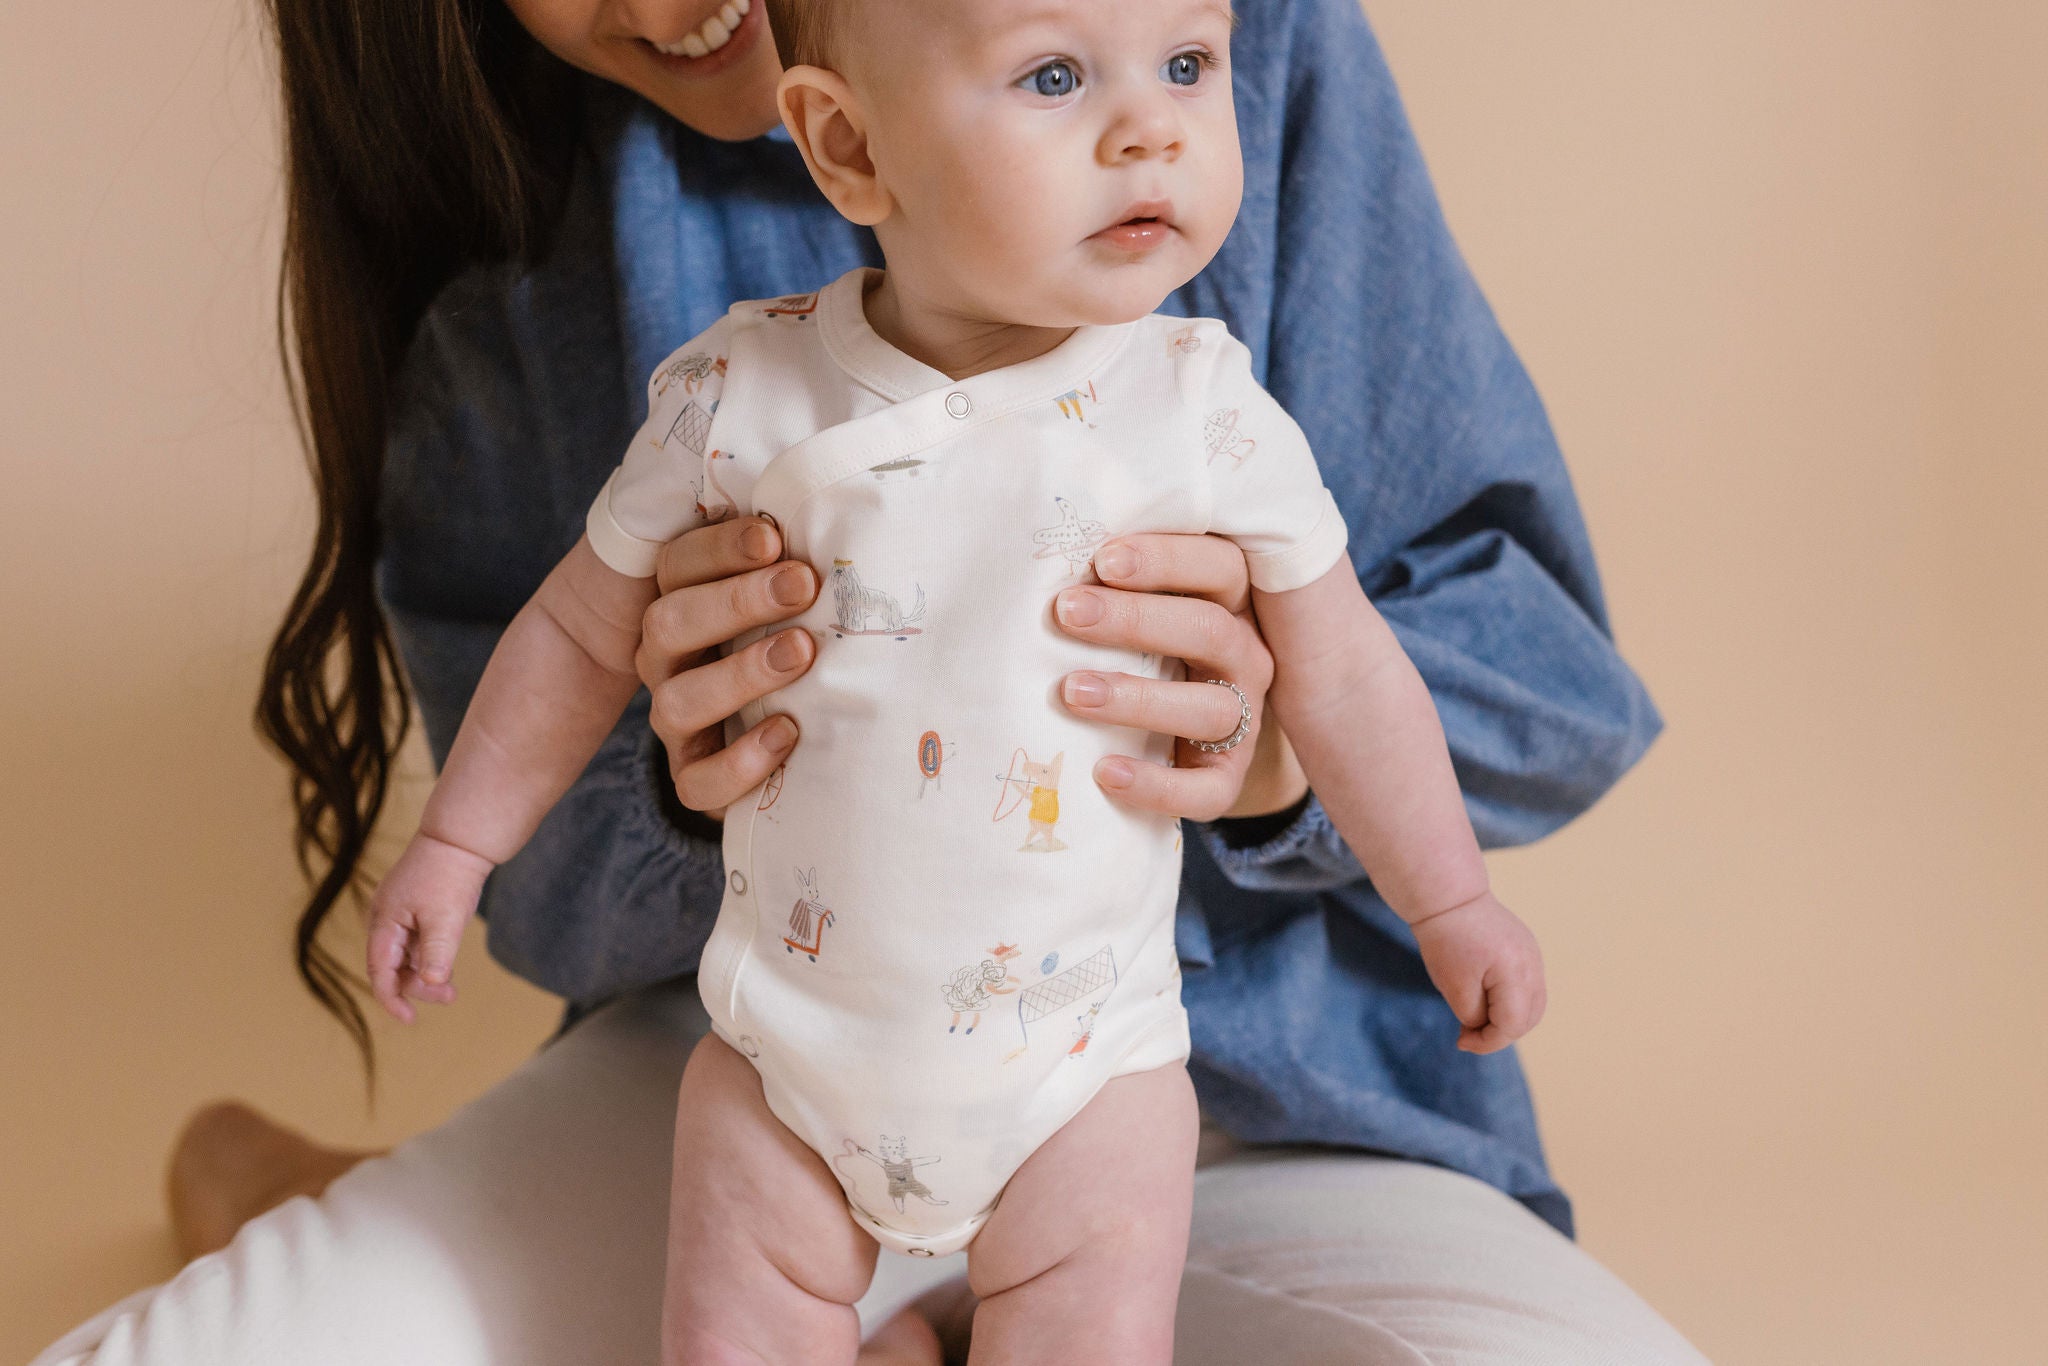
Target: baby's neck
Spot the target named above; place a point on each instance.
(947, 340)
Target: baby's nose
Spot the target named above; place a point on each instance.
(1145, 127)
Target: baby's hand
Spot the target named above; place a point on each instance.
(416, 920)
(1485, 962)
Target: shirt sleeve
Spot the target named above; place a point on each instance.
(656, 493)
(1364, 321)
(1267, 494)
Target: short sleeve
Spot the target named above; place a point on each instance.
(656, 493)
(1268, 495)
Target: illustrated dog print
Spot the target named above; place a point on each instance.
(856, 605)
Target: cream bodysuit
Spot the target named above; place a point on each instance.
(939, 938)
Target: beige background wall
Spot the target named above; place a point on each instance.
(1781, 271)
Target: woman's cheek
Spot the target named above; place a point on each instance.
(558, 25)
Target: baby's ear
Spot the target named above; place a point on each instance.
(829, 127)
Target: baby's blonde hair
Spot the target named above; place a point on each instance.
(804, 30)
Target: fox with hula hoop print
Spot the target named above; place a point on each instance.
(1039, 784)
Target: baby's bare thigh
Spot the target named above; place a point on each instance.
(761, 1249)
(1092, 1231)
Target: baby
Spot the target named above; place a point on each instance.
(942, 984)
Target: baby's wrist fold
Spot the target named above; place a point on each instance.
(1442, 906)
(484, 862)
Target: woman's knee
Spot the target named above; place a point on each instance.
(1383, 1260)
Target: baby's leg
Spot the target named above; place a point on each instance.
(764, 1262)
(1082, 1259)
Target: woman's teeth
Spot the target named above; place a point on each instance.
(713, 34)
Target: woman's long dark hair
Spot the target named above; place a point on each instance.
(420, 136)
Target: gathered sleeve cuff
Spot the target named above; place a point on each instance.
(657, 491)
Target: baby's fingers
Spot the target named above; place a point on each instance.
(1465, 993)
(413, 987)
(1490, 1039)
(389, 941)
(1512, 1010)
(435, 956)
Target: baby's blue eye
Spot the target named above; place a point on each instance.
(1053, 80)
(1183, 68)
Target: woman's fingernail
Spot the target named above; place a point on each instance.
(1114, 772)
(757, 541)
(780, 735)
(791, 586)
(1115, 561)
(1079, 607)
(1087, 690)
(783, 653)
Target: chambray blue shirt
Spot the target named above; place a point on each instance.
(1313, 1020)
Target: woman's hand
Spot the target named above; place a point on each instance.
(1186, 597)
(717, 582)
(721, 580)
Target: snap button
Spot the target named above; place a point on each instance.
(738, 880)
(958, 404)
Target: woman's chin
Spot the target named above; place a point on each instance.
(738, 121)
(735, 105)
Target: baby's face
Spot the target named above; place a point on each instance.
(1052, 162)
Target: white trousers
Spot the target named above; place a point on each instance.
(530, 1229)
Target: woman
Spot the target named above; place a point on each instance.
(488, 253)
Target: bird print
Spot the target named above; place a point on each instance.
(1072, 538)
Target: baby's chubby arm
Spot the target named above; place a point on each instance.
(1369, 740)
(555, 686)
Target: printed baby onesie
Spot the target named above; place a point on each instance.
(939, 938)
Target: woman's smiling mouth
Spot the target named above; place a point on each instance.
(715, 44)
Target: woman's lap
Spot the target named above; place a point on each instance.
(1356, 1259)
(530, 1228)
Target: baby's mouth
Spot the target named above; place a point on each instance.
(1139, 231)
(1159, 211)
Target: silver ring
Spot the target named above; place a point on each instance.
(1244, 721)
